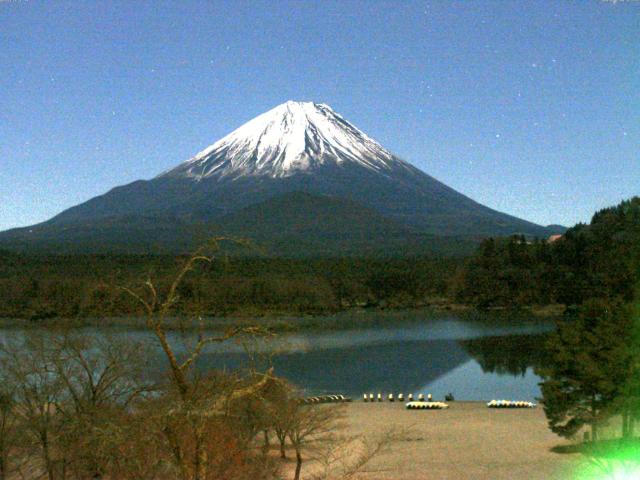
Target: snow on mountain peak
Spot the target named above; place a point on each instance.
(291, 138)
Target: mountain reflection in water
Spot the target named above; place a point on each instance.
(406, 366)
(474, 360)
(508, 354)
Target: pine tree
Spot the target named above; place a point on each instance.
(591, 361)
(630, 399)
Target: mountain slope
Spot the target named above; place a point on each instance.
(294, 224)
(295, 147)
(299, 224)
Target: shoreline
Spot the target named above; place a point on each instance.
(350, 319)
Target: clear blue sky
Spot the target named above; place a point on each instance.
(532, 108)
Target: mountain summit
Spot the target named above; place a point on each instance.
(291, 138)
(299, 178)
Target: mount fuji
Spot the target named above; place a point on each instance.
(295, 137)
(299, 178)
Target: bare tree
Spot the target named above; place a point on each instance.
(310, 427)
(348, 456)
(130, 446)
(315, 432)
(197, 404)
(37, 393)
(102, 378)
(67, 390)
(281, 403)
(158, 308)
(9, 429)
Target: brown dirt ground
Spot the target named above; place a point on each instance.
(467, 441)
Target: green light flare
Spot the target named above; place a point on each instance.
(615, 461)
(610, 470)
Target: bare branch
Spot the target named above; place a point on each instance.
(147, 306)
(203, 342)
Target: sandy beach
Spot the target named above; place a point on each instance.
(467, 441)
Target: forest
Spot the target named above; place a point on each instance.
(72, 286)
(596, 260)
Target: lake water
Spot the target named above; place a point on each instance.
(472, 360)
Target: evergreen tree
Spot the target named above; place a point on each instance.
(589, 369)
(630, 399)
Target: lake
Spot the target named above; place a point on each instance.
(474, 360)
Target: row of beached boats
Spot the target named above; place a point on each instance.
(391, 398)
(325, 399)
(426, 405)
(510, 404)
(422, 403)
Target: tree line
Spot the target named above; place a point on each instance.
(79, 286)
(596, 260)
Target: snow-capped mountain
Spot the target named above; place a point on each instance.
(298, 175)
(295, 137)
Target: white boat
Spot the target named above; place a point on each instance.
(426, 405)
